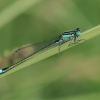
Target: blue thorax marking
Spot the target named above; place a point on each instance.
(65, 36)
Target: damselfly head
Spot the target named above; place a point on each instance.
(77, 32)
(77, 29)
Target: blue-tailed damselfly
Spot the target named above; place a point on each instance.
(21, 54)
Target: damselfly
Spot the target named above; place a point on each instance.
(21, 54)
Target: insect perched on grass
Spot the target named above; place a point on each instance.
(21, 54)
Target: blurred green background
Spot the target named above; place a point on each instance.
(75, 73)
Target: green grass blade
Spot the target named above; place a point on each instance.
(52, 51)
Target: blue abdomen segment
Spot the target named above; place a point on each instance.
(1, 71)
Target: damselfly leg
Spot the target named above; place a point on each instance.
(71, 41)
